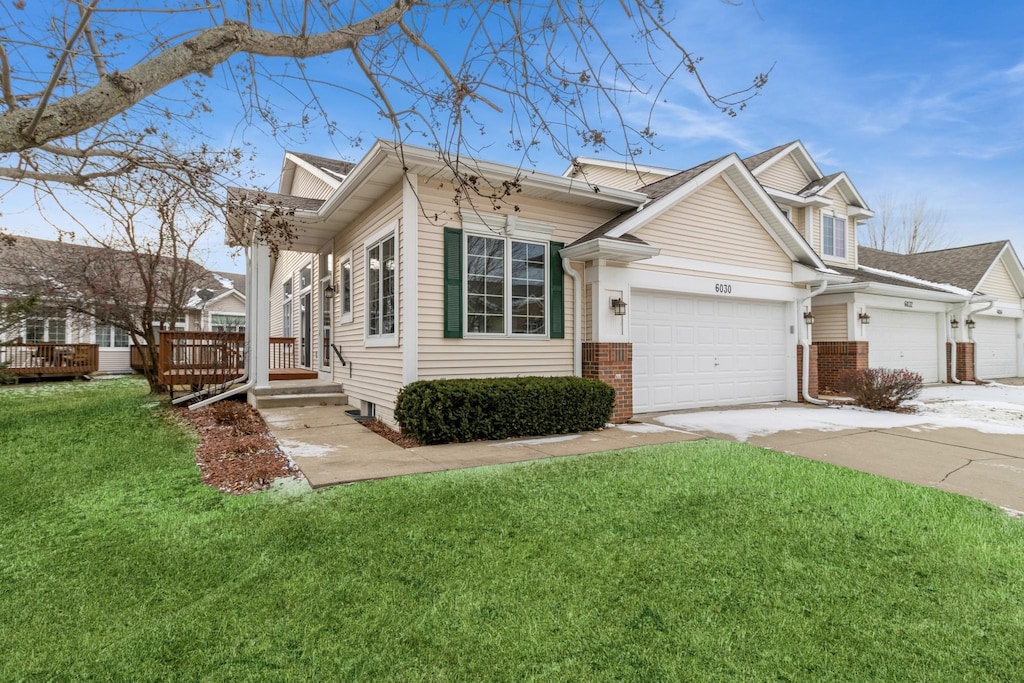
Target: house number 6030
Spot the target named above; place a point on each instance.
(723, 288)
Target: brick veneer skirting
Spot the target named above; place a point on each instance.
(812, 374)
(612, 363)
(964, 361)
(835, 358)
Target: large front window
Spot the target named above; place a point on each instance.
(227, 322)
(833, 236)
(380, 288)
(506, 286)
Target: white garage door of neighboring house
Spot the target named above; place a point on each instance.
(904, 339)
(995, 347)
(690, 352)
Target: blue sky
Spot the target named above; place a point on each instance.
(917, 99)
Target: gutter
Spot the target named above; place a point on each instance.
(247, 382)
(805, 345)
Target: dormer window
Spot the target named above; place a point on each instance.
(833, 235)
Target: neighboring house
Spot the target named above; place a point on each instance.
(681, 289)
(218, 304)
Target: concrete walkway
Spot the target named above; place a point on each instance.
(332, 448)
(985, 466)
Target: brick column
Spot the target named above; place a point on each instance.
(835, 358)
(612, 363)
(812, 374)
(964, 361)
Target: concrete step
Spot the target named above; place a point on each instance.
(300, 400)
(304, 386)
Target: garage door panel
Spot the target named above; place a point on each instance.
(904, 340)
(724, 352)
(995, 347)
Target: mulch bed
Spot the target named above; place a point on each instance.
(236, 452)
(403, 440)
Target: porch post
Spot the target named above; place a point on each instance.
(259, 326)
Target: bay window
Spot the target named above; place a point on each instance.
(381, 288)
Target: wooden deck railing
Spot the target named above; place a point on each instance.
(50, 359)
(212, 357)
(282, 353)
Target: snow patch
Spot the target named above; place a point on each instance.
(643, 428)
(302, 449)
(918, 281)
(224, 282)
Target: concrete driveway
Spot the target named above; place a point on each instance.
(964, 439)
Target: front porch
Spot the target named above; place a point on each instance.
(49, 359)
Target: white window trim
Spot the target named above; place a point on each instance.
(231, 313)
(507, 334)
(96, 336)
(346, 318)
(834, 217)
(381, 340)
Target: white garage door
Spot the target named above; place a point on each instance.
(904, 339)
(995, 347)
(690, 351)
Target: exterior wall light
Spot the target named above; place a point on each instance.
(618, 306)
(970, 323)
(954, 323)
(864, 318)
(330, 291)
(808, 318)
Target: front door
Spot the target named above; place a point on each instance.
(326, 294)
(305, 328)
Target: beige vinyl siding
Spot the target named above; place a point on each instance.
(115, 361)
(999, 284)
(230, 305)
(373, 374)
(830, 323)
(714, 225)
(621, 178)
(305, 184)
(839, 209)
(785, 174)
(287, 267)
(797, 216)
(495, 356)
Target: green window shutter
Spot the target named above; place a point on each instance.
(452, 283)
(557, 290)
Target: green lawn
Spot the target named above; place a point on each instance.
(705, 561)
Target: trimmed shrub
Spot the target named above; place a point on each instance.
(447, 410)
(880, 388)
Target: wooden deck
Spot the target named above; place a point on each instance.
(50, 359)
(205, 358)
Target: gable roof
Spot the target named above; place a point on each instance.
(963, 267)
(861, 275)
(763, 160)
(667, 192)
(334, 167)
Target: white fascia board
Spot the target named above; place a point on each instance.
(602, 248)
(383, 153)
(323, 175)
(768, 214)
(898, 291)
(224, 295)
(804, 160)
(1013, 266)
(645, 214)
(788, 238)
(804, 275)
(620, 165)
(850, 191)
(796, 200)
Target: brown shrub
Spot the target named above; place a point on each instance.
(880, 388)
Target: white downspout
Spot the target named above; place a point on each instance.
(247, 382)
(970, 334)
(805, 345)
(577, 323)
